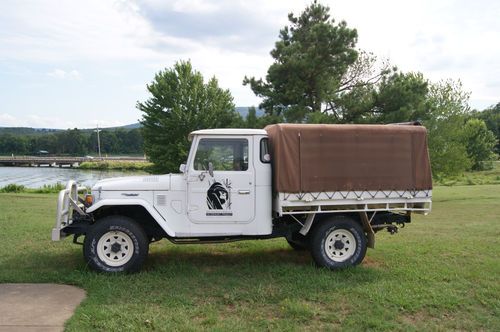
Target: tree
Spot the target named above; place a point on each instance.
(130, 141)
(109, 142)
(47, 142)
(401, 97)
(181, 102)
(72, 141)
(491, 117)
(355, 99)
(10, 144)
(480, 143)
(251, 120)
(311, 57)
(448, 107)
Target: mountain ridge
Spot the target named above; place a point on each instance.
(242, 110)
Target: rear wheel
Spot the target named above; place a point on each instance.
(115, 244)
(337, 243)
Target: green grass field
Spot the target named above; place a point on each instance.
(442, 272)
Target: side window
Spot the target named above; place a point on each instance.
(225, 154)
(265, 157)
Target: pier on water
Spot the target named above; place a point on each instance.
(35, 161)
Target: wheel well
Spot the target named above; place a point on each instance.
(320, 217)
(324, 216)
(136, 212)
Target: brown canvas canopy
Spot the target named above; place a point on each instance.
(316, 158)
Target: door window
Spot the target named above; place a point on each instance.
(224, 154)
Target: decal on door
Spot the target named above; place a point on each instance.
(219, 198)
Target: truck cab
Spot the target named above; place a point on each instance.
(224, 189)
(228, 183)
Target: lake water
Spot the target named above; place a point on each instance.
(35, 177)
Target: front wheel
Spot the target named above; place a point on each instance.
(337, 243)
(115, 244)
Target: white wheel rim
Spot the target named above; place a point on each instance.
(115, 248)
(340, 245)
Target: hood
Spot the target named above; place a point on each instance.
(137, 183)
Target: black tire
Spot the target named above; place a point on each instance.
(299, 246)
(339, 232)
(115, 244)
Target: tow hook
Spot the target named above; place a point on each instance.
(393, 229)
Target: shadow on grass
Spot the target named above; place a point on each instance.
(187, 265)
(196, 256)
(260, 263)
(233, 257)
(41, 266)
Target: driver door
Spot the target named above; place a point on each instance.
(227, 195)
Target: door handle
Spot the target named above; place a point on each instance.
(244, 192)
(194, 178)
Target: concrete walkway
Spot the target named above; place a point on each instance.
(37, 307)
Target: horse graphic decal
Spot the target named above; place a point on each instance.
(217, 197)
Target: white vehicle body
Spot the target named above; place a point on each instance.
(179, 200)
(206, 202)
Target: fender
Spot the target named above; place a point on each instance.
(151, 210)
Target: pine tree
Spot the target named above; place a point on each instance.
(310, 59)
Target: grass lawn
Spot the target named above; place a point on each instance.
(442, 272)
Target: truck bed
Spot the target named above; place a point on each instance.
(336, 168)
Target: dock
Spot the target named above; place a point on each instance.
(34, 161)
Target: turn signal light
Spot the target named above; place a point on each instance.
(89, 199)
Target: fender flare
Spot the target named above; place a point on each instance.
(122, 202)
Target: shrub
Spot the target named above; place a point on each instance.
(13, 188)
(49, 188)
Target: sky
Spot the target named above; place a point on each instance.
(66, 64)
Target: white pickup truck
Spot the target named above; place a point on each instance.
(325, 188)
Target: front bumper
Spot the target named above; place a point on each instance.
(68, 203)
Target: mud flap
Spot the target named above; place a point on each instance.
(370, 234)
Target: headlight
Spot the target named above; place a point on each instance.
(89, 199)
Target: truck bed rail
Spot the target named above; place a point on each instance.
(419, 201)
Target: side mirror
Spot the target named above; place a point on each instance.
(182, 168)
(211, 169)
